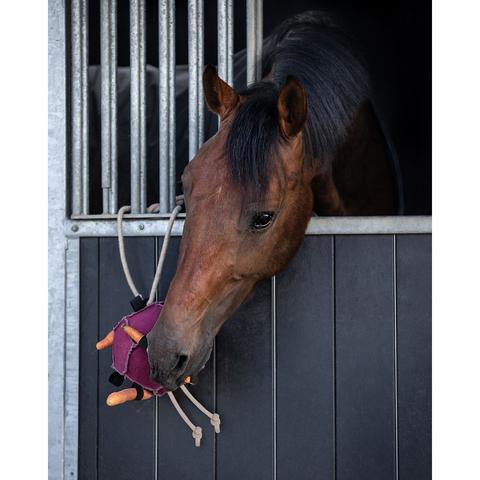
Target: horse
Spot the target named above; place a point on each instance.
(304, 140)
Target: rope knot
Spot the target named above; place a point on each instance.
(215, 421)
(197, 435)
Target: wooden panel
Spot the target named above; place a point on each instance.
(88, 389)
(177, 456)
(414, 314)
(126, 432)
(244, 390)
(305, 368)
(364, 308)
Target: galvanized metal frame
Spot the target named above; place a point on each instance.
(72, 357)
(62, 253)
(65, 233)
(155, 225)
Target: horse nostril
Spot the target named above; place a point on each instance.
(182, 360)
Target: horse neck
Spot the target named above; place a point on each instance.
(358, 179)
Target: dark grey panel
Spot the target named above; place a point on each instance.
(364, 306)
(244, 391)
(305, 368)
(88, 389)
(126, 432)
(414, 317)
(177, 456)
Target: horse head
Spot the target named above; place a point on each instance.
(248, 199)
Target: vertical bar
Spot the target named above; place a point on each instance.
(138, 154)
(72, 357)
(395, 355)
(254, 40)
(195, 70)
(274, 376)
(225, 40)
(80, 107)
(166, 42)
(57, 174)
(108, 60)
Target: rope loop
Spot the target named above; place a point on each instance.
(163, 253)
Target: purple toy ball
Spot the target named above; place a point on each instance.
(129, 359)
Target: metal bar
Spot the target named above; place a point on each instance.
(57, 174)
(254, 40)
(151, 225)
(166, 62)
(72, 353)
(108, 61)
(225, 40)
(195, 70)
(79, 119)
(138, 153)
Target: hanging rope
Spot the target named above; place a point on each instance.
(163, 252)
(214, 417)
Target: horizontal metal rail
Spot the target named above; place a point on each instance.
(155, 225)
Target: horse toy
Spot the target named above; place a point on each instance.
(129, 343)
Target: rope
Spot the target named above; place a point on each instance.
(163, 253)
(214, 417)
(121, 248)
(196, 431)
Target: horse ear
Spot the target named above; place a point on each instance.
(292, 107)
(221, 98)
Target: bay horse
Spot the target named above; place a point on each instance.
(303, 140)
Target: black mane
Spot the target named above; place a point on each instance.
(316, 52)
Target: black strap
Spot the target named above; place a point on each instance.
(138, 303)
(139, 390)
(143, 343)
(116, 379)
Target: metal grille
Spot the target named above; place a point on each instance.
(80, 178)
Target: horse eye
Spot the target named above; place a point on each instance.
(262, 220)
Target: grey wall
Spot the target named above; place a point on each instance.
(324, 374)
